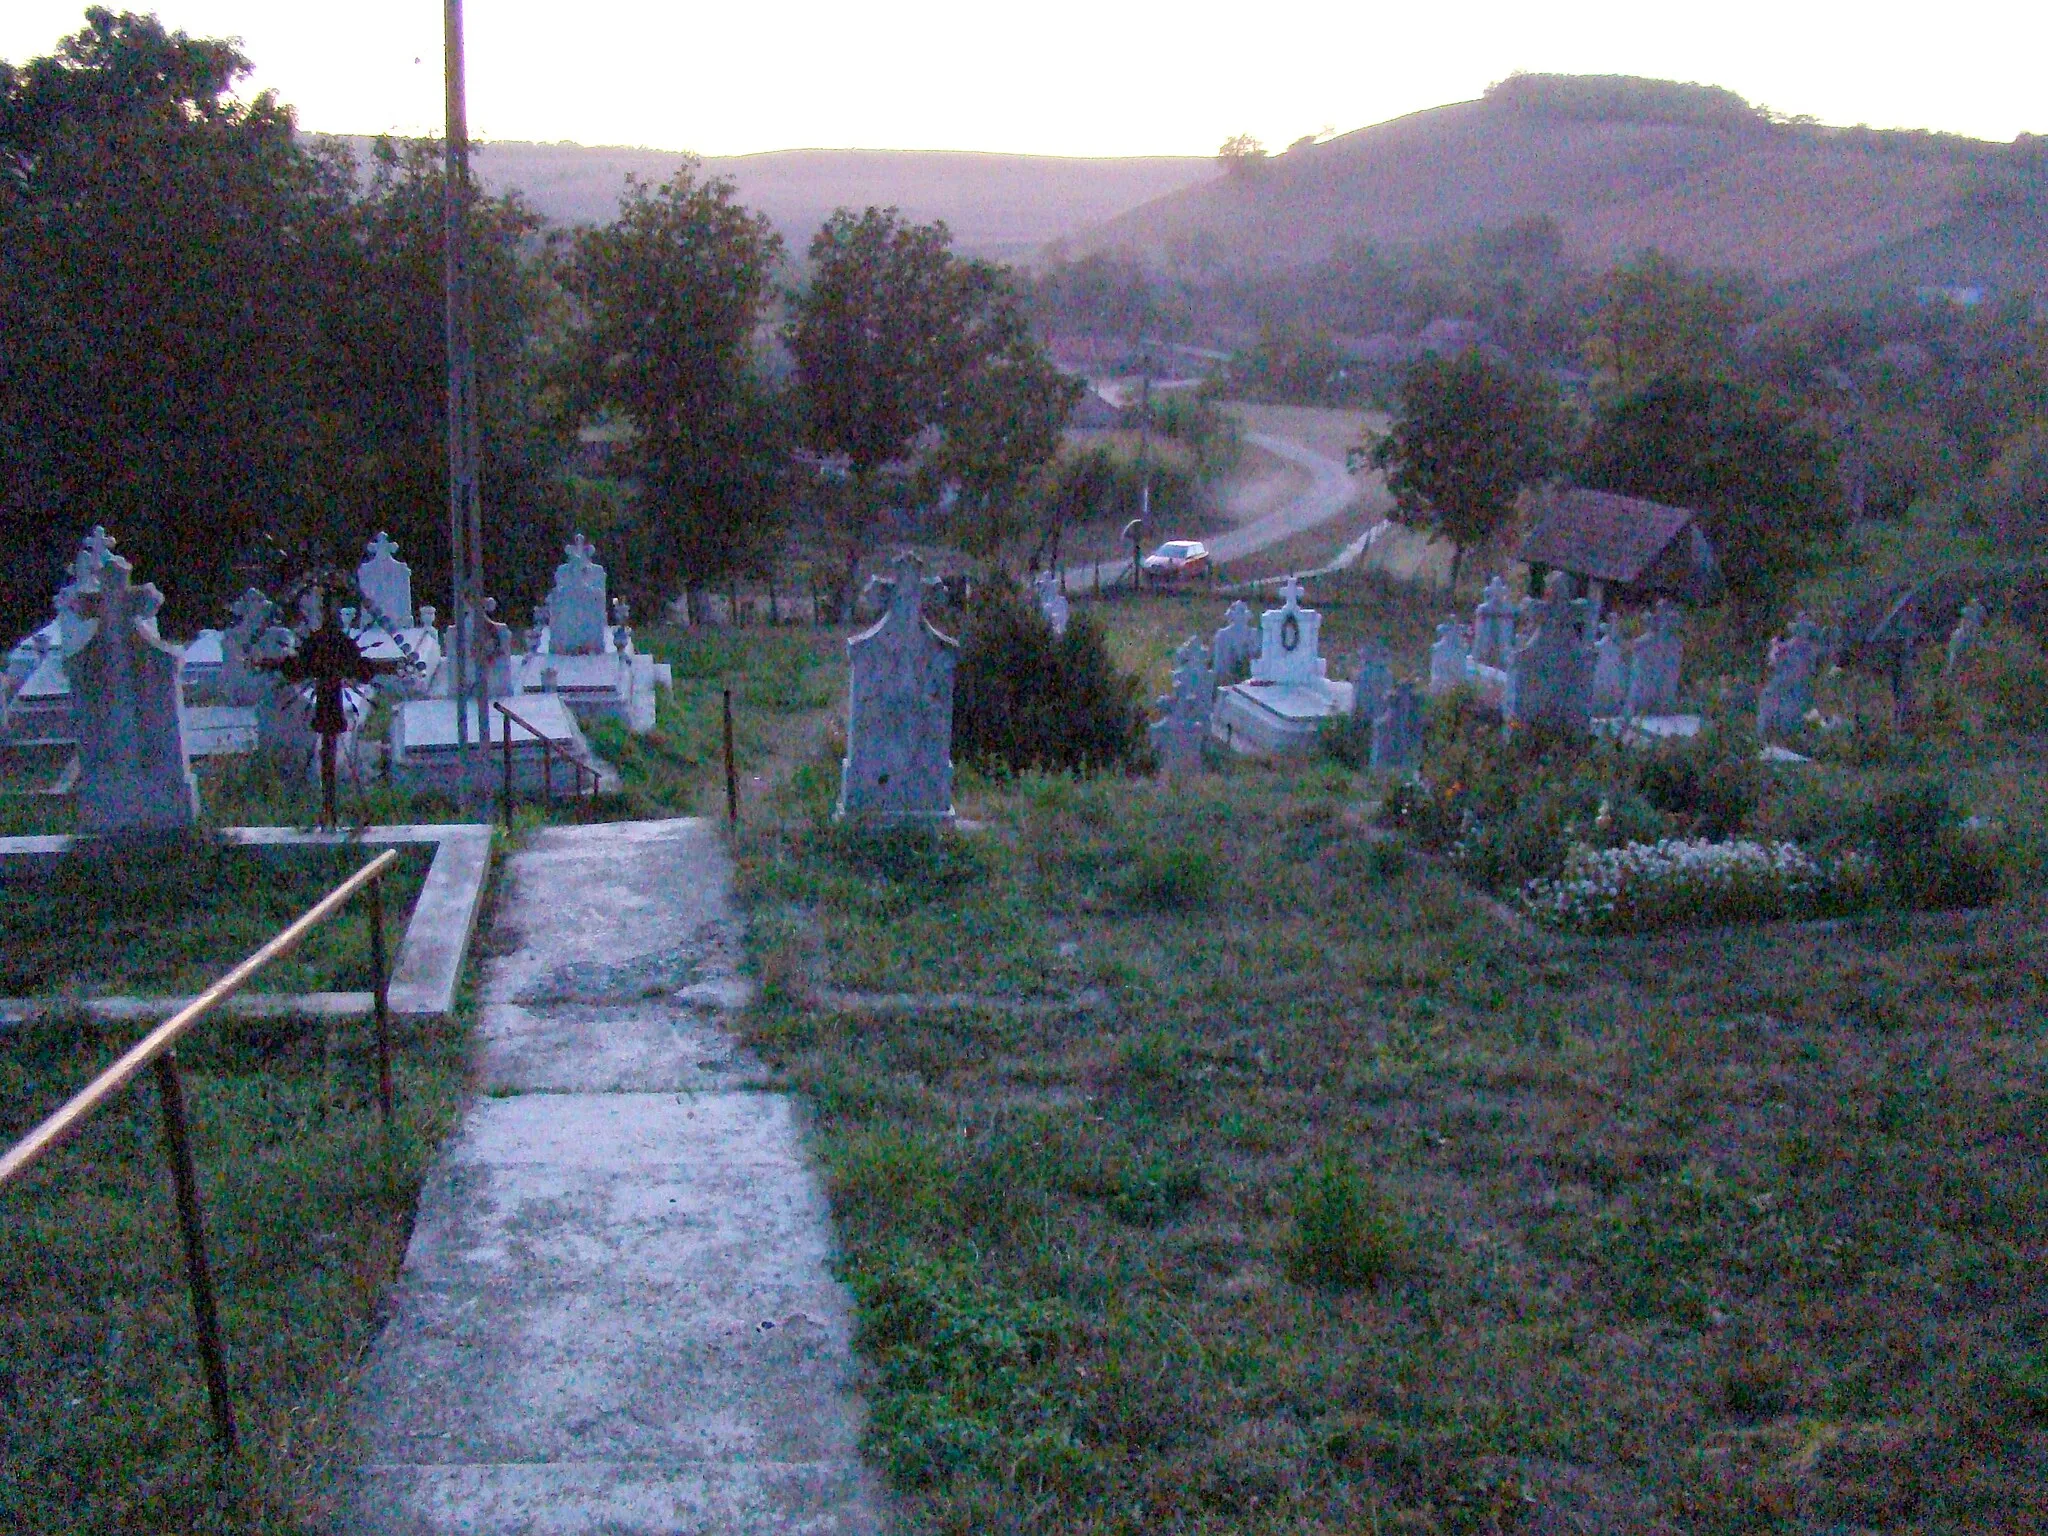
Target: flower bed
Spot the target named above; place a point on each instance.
(1675, 880)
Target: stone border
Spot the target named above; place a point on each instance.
(430, 955)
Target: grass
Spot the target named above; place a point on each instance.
(171, 919)
(1360, 1210)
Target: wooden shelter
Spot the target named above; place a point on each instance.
(1622, 547)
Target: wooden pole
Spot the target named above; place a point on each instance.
(198, 1275)
(732, 776)
(380, 976)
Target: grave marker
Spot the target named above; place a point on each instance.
(1177, 739)
(1397, 731)
(135, 773)
(1653, 664)
(576, 606)
(899, 715)
(1787, 695)
(387, 584)
(1550, 675)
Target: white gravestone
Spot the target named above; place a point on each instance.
(1052, 602)
(387, 585)
(1288, 655)
(1177, 739)
(1397, 731)
(240, 683)
(1969, 629)
(1493, 625)
(1235, 645)
(1550, 676)
(1787, 696)
(1610, 670)
(1281, 706)
(1370, 683)
(1447, 658)
(899, 715)
(576, 607)
(135, 774)
(1653, 664)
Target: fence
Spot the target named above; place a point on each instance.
(158, 1050)
(550, 750)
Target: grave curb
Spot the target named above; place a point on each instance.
(428, 972)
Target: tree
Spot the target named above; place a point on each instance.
(672, 292)
(1761, 477)
(1654, 320)
(1005, 428)
(1470, 434)
(1241, 155)
(888, 339)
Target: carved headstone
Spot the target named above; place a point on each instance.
(1052, 602)
(1236, 644)
(1447, 657)
(1493, 625)
(1375, 676)
(1550, 676)
(1787, 696)
(387, 584)
(1969, 629)
(1287, 642)
(240, 683)
(135, 772)
(899, 718)
(576, 607)
(1397, 731)
(1610, 670)
(1177, 739)
(284, 711)
(1653, 664)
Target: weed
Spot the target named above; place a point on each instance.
(1344, 1235)
(1173, 877)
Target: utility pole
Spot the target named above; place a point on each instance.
(465, 512)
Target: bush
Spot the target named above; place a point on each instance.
(1708, 785)
(1027, 699)
(1344, 1235)
(1926, 860)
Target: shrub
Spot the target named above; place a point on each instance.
(1641, 886)
(1344, 1234)
(1171, 877)
(1026, 699)
(1708, 785)
(1925, 858)
(1346, 739)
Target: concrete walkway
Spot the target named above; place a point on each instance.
(615, 1314)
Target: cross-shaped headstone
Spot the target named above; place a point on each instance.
(1291, 592)
(580, 550)
(328, 661)
(382, 545)
(250, 609)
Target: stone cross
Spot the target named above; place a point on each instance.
(1447, 657)
(1177, 739)
(1397, 731)
(1787, 695)
(1374, 677)
(135, 772)
(386, 583)
(1653, 664)
(1550, 676)
(1610, 670)
(1287, 642)
(899, 713)
(1052, 602)
(1969, 629)
(1236, 643)
(576, 607)
(240, 683)
(1493, 625)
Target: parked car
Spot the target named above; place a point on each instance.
(1178, 560)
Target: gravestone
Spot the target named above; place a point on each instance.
(284, 712)
(1374, 677)
(241, 684)
(1282, 705)
(1288, 655)
(1787, 695)
(1493, 625)
(576, 607)
(1447, 657)
(1550, 675)
(135, 774)
(387, 584)
(1610, 670)
(1177, 739)
(1052, 602)
(1235, 645)
(899, 714)
(1397, 731)
(1968, 631)
(1653, 664)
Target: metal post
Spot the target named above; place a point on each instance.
(732, 776)
(381, 978)
(464, 507)
(205, 1315)
(506, 737)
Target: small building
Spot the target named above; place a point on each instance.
(1623, 548)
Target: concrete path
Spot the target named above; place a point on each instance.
(615, 1314)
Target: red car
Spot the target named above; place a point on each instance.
(1178, 560)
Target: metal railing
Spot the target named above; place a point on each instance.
(158, 1050)
(550, 750)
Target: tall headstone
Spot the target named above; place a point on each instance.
(1236, 644)
(899, 717)
(576, 607)
(1374, 677)
(1550, 675)
(1397, 731)
(135, 772)
(1052, 602)
(1177, 739)
(386, 583)
(240, 683)
(1968, 631)
(1447, 658)
(1610, 670)
(1288, 654)
(1653, 664)
(1493, 625)
(1787, 696)
(284, 711)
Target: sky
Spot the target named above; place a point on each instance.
(1081, 77)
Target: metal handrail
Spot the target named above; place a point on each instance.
(158, 1049)
(550, 750)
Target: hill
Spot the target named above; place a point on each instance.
(997, 205)
(1620, 165)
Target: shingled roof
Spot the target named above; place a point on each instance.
(1605, 537)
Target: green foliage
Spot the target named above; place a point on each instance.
(1171, 877)
(1624, 99)
(1344, 1234)
(1926, 859)
(1293, 367)
(1024, 698)
(1654, 320)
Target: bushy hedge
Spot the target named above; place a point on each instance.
(1025, 698)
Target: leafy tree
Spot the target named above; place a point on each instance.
(1241, 155)
(1470, 434)
(1004, 430)
(1653, 320)
(672, 292)
(1761, 477)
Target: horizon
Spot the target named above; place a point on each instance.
(1082, 83)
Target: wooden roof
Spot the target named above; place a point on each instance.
(1601, 535)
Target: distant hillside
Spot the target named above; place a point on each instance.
(1621, 165)
(997, 205)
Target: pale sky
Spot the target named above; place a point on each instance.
(1082, 77)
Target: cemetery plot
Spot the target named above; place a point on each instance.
(167, 920)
